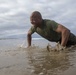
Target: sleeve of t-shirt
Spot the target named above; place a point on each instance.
(32, 29)
(53, 25)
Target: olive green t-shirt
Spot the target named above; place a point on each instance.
(47, 30)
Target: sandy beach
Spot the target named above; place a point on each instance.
(16, 60)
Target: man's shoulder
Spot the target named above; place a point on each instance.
(33, 28)
(47, 20)
(51, 24)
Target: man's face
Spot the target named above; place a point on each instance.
(36, 20)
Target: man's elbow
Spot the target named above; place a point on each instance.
(66, 31)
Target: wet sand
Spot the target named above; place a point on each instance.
(15, 60)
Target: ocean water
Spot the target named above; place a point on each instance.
(16, 59)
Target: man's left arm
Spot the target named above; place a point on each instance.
(64, 34)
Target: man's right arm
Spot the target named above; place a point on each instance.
(29, 38)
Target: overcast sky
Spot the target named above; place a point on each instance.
(14, 14)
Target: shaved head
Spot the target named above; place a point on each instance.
(36, 13)
(36, 18)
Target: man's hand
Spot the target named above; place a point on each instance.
(60, 47)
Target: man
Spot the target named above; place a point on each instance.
(50, 30)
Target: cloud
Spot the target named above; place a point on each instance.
(14, 14)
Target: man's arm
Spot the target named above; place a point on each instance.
(29, 38)
(64, 34)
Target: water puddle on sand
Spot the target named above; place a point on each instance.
(38, 61)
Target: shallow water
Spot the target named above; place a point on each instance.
(36, 60)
